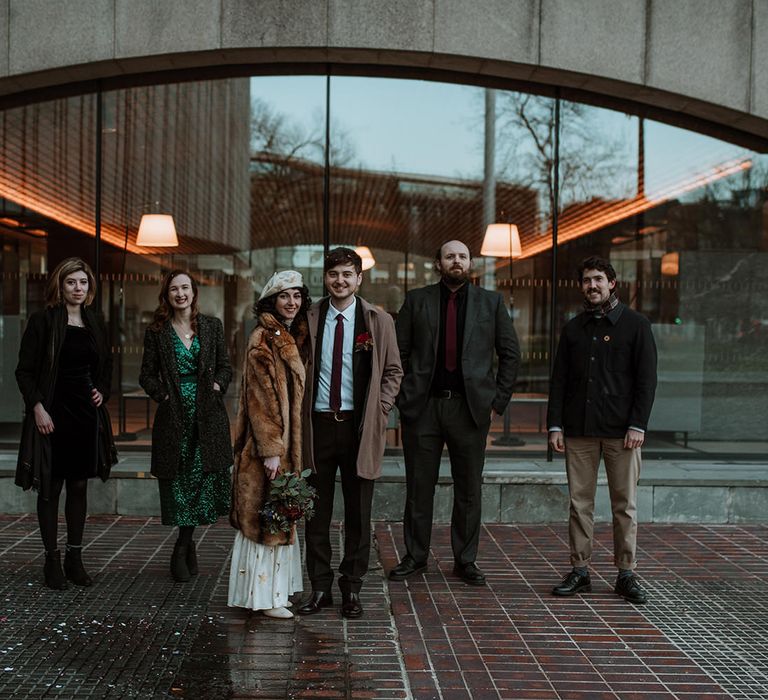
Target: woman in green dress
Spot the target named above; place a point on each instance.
(185, 369)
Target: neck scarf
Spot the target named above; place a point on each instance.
(602, 309)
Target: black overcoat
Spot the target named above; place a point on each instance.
(160, 379)
(37, 368)
(604, 377)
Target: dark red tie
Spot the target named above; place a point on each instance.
(338, 352)
(450, 333)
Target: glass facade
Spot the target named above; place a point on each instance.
(265, 173)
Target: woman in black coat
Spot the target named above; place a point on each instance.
(185, 369)
(64, 374)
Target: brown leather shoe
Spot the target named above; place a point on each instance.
(351, 606)
(315, 603)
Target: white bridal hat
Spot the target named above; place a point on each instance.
(280, 281)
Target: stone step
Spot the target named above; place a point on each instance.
(514, 491)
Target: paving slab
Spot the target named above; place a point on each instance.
(137, 634)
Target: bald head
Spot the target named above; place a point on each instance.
(454, 262)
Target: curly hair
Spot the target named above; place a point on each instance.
(595, 262)
(268, 305)
(69, 266)
(164, 312)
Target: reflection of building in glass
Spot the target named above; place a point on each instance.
(157, 141)
(251, 194)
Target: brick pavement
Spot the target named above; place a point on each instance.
(136, 634)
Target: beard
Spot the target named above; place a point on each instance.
(454, 276)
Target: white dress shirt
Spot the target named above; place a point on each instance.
(322, 400)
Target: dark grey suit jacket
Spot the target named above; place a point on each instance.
(488, 332)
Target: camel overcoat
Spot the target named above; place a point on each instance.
(268, 421)
(385, 375)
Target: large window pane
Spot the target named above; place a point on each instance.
(47, 210)
(419, 163)
(238, 163)
(682, 220)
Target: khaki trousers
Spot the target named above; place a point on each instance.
(622, 467)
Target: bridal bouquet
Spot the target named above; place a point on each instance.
(290, 498)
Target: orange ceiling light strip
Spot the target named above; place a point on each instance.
(604, 214)
(108, 233)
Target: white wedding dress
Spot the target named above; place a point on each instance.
(262, 576)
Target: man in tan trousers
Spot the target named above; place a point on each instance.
(600, 399)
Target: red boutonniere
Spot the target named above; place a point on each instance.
(364, 342)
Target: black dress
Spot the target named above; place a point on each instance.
(74, 440)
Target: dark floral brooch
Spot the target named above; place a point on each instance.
(364, 342)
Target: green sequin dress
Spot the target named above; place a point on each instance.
(193, 497)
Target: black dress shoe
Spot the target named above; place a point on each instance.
(469, 573)
(407, 567)
(316, 602)
(630, 589)
(351, 606)
(573, 583)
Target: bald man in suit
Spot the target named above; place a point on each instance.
(449, 334)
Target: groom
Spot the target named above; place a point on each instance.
(351, 386)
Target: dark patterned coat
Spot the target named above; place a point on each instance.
(160, 379)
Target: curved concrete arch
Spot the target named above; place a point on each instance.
(694, 58)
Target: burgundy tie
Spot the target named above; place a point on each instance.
(338, 351)
(450, 333)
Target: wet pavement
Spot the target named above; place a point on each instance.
(137, 634)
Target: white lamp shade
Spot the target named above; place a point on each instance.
(366, 256)
(501, 241)
(157, 231)
(670, 264)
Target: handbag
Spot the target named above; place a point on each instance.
(33, 467)
(107, 450)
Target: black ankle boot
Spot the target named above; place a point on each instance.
(52, 573)
(192, 559)
(179, 568)
(73, 567)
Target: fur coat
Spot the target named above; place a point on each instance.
(268, 421)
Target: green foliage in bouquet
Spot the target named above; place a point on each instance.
(290, 498)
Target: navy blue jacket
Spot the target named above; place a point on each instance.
(604, 378)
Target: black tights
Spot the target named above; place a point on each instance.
(185, 534)
(75, 510)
